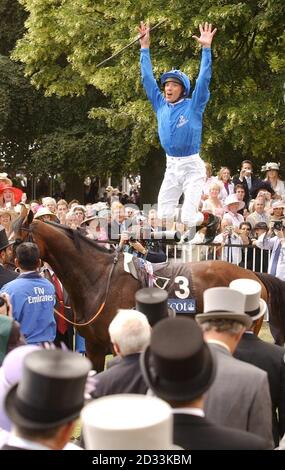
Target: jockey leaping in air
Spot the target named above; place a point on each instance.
(180, 127)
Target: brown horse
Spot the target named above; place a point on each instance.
(98, 285)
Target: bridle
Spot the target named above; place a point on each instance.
(115, 260)
(93, 318)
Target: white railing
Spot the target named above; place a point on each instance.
(250, 257)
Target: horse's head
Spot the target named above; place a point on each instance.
(21, 227)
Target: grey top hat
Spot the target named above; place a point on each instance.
(224, 303)
(255, 307)
(51, 391)
(178, 364)
(153, 303)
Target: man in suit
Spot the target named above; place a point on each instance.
(153, 303)
(45, 421)
(179, 367)
(239, 396)
(266, 356)
(6, 254)
(129, 333)
(247, 180)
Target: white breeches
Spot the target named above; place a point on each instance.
(183, 175)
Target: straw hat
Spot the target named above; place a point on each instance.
(44, 211)
(12, 213)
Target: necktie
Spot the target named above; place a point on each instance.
(248, 180)
(275, 260)
(61, 323)
(226, 186)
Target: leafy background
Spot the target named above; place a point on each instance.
(60, 113)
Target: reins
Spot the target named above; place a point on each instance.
(115, 260)
(74, 323)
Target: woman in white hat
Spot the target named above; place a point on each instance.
(272, 176)
(232, 206)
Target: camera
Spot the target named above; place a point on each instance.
(167, 236)
(278, 225)
(229, 229)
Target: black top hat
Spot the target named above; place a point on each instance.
(178, 364)
(153, 303)
(51, 391)
(4, 242)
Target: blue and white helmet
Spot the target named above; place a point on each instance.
(179, 76)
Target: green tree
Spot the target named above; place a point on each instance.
(49, 135)
(66, 39)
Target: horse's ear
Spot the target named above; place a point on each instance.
(24, 211)
(30, 217)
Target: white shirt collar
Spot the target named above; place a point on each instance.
(17, 441)
(189, 411)
(176, 102)
(220, 343)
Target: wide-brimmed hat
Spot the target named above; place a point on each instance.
(178, 364)
(16, 191)
(232, 199)
(224, 303)
(4, 242)
(51, 391)
(44, 211)
(153, 303)
(255, 307)
(127, 421)
(12, 213)
(270, 166)
(278, 205)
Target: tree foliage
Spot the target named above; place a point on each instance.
(49, 135)
(65, 39)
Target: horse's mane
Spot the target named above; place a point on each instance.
(76, 235)
(17, 224)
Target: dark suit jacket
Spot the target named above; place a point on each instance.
(123, 377)
(270, 358)
(6, 276)
(255, 183)
(196, 433)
